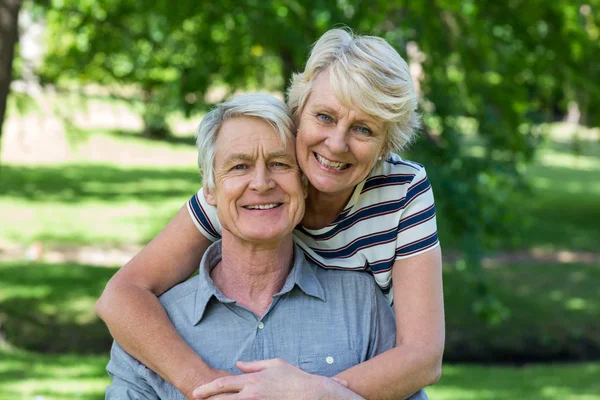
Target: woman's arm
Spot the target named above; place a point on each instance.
(130, 307)
(416, 361)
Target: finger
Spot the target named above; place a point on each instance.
(260, 365)
(341, 381)
(228, 396)
(225, 384)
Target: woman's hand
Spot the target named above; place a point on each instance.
(274, 379)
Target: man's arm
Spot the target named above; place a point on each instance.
(126, 382)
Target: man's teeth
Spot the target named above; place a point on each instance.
(262, 206)
(331, 164)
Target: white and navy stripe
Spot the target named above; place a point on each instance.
(390, 216)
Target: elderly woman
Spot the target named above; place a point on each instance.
(367, 209)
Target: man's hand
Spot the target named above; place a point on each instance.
(274, 379)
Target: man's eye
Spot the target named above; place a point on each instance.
(278, 164)
(324, 117)
(240, 167)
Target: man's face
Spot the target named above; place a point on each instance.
(258, 191)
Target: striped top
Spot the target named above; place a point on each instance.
(390, 216)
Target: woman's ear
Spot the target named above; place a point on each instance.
(304, 185)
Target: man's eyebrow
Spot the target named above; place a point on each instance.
(239, 157)
(280, 154)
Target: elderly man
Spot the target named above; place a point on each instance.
(256, 296)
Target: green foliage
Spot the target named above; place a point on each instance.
(492, 72)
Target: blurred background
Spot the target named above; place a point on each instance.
(99, 101)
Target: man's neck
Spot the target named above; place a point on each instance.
(252, 274)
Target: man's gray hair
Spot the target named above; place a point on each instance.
(257, 105)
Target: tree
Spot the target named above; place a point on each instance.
(9, 22)
(492, 72)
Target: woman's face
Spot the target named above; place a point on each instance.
(336, 146)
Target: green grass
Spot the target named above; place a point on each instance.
(49, 307)
(109, 199)
(28, 375)
(554, 314)
(539, 382)
(90, 203)
(565, 212)
(122, 189)
(555, 311)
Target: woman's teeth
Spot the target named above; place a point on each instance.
(262, 206)
(330, 164)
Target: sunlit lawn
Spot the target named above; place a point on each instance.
(91, 203)
(47, 308)
(35, 376)
(539, 382)
(99, 200)
(130, 187)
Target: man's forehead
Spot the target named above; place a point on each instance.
(254, 149)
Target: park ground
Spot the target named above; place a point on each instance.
(80, 195)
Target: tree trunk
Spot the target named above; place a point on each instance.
(288, 66)
(9, 18)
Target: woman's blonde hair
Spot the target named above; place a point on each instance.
(365, 72)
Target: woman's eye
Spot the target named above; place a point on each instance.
(364, 130)
(324, 118)
(240, 167)
(279, 165)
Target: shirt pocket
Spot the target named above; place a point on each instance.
(329, 364)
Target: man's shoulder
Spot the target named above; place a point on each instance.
(335, 281)
(172, 297)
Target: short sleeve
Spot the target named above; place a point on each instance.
(204, 216)
(417, 229)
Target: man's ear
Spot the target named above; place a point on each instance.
(209, 196)
(208, 193)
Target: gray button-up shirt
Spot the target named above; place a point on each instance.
(324, 321)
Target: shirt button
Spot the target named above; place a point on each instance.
(329, 360)
(261, 325)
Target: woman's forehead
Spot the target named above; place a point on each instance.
(323, 95)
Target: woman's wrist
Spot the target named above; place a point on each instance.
(333, 389)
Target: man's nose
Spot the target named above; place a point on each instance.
(262, 180)
(337, 141)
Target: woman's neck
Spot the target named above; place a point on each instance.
(252, 274)
(323, 208)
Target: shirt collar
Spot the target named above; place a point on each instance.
(302, 275)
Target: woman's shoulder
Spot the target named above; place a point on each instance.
(394, 173)
(394, 165)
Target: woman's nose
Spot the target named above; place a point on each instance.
(337, 141)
